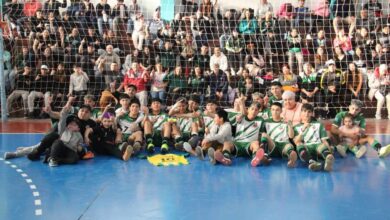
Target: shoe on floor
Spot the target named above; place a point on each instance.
(360, 153)
(164, 148)
(210, 153)
(199, 153)
(342, 150)
(384, 151)
(9, 155)
(329, 160)
(128, 152)
(222, 159)
(53, 162)
(314, 165)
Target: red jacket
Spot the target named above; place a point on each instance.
(139, 79)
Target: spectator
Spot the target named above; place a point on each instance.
(321, 40)
(380, 55)
(78, 84)
(139, 77)
(379, 82)
(202, 59)
(139, 32)
(134, 10)
(178, 26)
(153, 28)
(177, 84)
(310, 89)
(268, 23)
(364, 21)
(291, 112)
(12, 12)
(343, 11)
(23, 86)
(130, 58)
(248, 26)
(88, 58)
(290, 81)
(364, 39)
(384, 37)
(344, 42)
(26, 58)
(229, 23)
(110, 38)
(332, 80)
(198, 84)
(207, 8)
(341, 59)
(147, 59)
(87, 15)
(320, 59)
(374, 8)
(188, 49)
(158, 88)
(110, 75)
(218, 58)
(234, 47)
(167, 56)
(294, 43)
(262, 8)
(218, 84)
(30, 10)
(201, 28)
(42, 87)
(303, 14)
(354, 83)
(52, 6)
(254, 61)
(120, 15)
(274, 49)
(105, 60)
(103, 14)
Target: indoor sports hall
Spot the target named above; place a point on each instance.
(69, 68)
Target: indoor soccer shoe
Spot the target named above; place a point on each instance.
(128, 152)
(9, 155)
(342, 150)
(329, 160)
(222, 159)
(314, 165)
(150, 148)
(164, 148)
(362, 150)
(199, 153)
(210, 153)
(52, 162)
(88, 155)
(258, 157)
(384, 151)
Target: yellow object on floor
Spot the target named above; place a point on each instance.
(167, 160)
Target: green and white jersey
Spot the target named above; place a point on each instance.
(358, 119)
(314, 134)
(125, 123)
(184, 125)
(159, 119)
(232, 116)
(277, 130)
(249, 130)
(208, 121)
(265, 114)
(273, 99)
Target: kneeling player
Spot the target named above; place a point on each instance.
(311, 141)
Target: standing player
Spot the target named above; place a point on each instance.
(277, 136)
(311, 139)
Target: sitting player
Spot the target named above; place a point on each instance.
(349, 138)
(311, 140)
(358, 118)
(276, 91)
(220, 134)
(246, 142)
(277, 136)
(130, 125)
(106, 139)
(156, 128)
(184, 126)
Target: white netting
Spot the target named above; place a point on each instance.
(115, 44)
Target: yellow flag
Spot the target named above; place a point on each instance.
(167, 160)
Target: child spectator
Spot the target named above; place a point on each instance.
(379, 83)
(349, 138)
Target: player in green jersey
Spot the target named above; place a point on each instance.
(246, 141)
(131, 126)
(156, 128)
(276, 91)
(311, 141)
(277, 136)
(358, 118)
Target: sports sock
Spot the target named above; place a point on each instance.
(149, 138)
(376, 145)
(226, 154)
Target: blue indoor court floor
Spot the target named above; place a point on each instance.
(107, 188)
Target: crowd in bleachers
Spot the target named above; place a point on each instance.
(326, 55)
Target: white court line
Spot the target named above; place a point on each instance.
(38, 212)
(37, 202)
